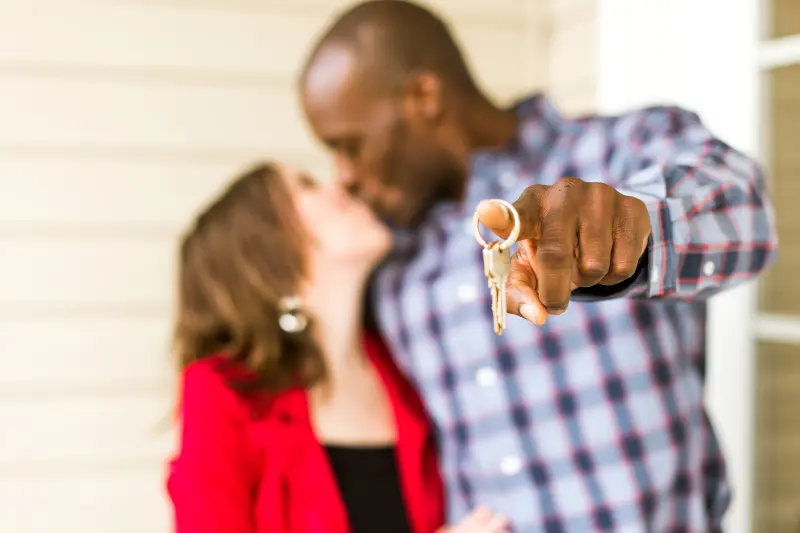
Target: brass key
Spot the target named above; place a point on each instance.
(497, 266)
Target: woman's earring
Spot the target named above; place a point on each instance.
(292, 319)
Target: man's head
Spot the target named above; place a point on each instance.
(385, 89)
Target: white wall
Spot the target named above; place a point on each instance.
(701, 54)
(572, 27)
(116, 119)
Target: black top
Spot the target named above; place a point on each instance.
(370, 486)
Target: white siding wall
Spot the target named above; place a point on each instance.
(571, 44)
(117, 118)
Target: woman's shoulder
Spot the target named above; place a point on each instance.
(210, 375)
(212, 381)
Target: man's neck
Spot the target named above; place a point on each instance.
(488, 126)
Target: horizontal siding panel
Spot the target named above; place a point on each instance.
(153, 37)
(131, 502)
(76, 355)
(54, 432)
(111, 113)
(243, 46)
(564, 12)
(115, 114)
(498, 12)
(52, 273)
(56, 190)
(85, 192)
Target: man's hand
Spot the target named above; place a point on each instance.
(573, 234)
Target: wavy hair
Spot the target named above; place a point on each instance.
(245, 252)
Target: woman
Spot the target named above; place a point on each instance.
(294, 420)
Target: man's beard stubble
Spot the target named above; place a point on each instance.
(424, 178)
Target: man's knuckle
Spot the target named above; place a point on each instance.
(623, 269)
(553, 301)
(593, 266)
(603, 196)
(531, 194)
(569, 187)
(570, 181)
(601, 189)
(633, 208)
(554, 254)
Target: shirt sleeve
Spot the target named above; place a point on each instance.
(212, 479)
(712, 223)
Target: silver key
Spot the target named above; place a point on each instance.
(497, 267)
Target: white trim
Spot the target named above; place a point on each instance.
(781, 52)
(774, 328)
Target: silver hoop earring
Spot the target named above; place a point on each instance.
(292, 319)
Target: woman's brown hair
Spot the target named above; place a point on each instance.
(244, 253)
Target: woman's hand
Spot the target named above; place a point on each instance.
(481, 520)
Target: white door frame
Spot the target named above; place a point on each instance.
(703, 55)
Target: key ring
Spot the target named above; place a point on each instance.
(512, 238)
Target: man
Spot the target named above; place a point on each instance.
(593, 421)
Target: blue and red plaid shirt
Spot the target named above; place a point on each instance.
(595, 421)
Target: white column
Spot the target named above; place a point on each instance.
(700, 54)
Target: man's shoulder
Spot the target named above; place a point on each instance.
(646, 117)
(541, 105)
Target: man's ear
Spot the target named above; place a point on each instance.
(423, 100)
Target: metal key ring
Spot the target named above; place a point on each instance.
(512, 238)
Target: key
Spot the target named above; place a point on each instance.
(497, 267)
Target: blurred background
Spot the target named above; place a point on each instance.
(118, 118)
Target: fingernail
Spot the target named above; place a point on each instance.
(556, 310)
(502, 206)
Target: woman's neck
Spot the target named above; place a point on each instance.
(336, 301)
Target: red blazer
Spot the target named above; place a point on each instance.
(246, 467)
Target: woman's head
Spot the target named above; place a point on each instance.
(257, 244)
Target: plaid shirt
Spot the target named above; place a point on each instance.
(595, 421)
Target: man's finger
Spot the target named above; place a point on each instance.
(595, 241)
(555, 258)
(631, 233)
(521, 297)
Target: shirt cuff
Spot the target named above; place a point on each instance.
(662, 275)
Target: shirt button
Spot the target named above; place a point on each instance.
(486, 376)
(467, 293)
(508, 179)
(708, 268)
(654, 275)
(511, 465)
